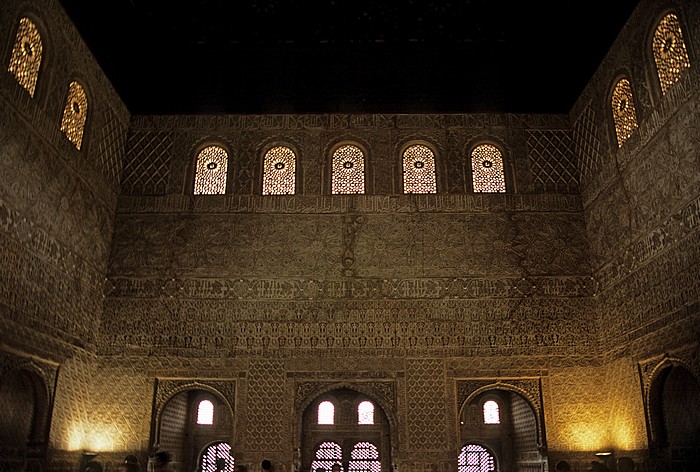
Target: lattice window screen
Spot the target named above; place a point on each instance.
(26, 55)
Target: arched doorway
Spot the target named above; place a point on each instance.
(502, 425)
(195, 427)
(23, 419)
(674, 410)
(346, 429)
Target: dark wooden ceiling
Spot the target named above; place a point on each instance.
(351, 56)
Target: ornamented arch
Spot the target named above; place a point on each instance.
(166, 389)
(528, 389)
(383, 393)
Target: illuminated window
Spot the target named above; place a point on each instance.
(364, 457)
(26, 55)
(327, 454)
(475, 458)
(419, 170)
(348, 170)
(365, 413)
(491, 413)
(279, 171)
(670, 54)
(205, 412)
(75, 114)
(217, 457)
(624, 114)
(326, 413)
(487, 169)
(210, 174)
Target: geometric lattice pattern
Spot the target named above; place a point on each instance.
(670, 54)
(475, 458)
(112, 143)
(586, 143)
(75, 114)
(217, 458)
(147, 166)
(210, 176)
(266, 405)
(552, 160)
(26, 55)
(623, 110)
(364, 457)
(419, 170)
(327, 454)
(279, 171)
(426, 411)
(488, 174)
(348, 170)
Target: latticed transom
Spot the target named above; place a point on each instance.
(624, 113)
(217, 457)
(212, 168)
(75, 114)
(326, 413)
(26, 55)
(348, 170)
(475, 458)
(487, 169)
(279, 171)
(670, 53)
(419, 170)
(205, 413)
(364, 457)
(491, 413)
(365, 413)
(327, 454)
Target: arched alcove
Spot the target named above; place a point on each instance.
(24, 405)
(505, 423)
(357, 437)
(674, 415)
(190, 421)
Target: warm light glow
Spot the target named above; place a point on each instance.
(92, 437)
(623, 437)
(585, 436)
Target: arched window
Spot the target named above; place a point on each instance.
(211, 171)
(670, 54)
(348, 170)
(279, 171)
(205, 412)
(75, 114)
(419, 170)
(492, 414)
(26, 55)
(327, 454)
(488, 174)
(217, 457)
(624, 114)
(364, 457)
(475, 458)
(365, 413)
(326, 413)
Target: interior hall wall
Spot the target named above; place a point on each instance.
(408, 298)
(57, 208)
(642, 212)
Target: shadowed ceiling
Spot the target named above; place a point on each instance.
(350, 56)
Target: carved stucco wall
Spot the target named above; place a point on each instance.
(557, 293)
(57, 207)
(642, 214)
